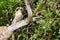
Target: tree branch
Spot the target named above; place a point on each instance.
(36, 18)
(25, 21)
(28, 8)
(8, 30)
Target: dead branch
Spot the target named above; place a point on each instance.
(5, 32)
(28, 8)
(36, 18)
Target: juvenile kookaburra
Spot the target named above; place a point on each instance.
(18, 15)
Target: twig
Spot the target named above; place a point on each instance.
(28, 8)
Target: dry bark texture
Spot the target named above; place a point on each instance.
(4, 33)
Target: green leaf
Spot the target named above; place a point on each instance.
(41, 22)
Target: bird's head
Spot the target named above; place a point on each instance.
(19, 8)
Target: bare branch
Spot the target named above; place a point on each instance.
(23, 22)
(4, 33)
(8, 30)
(28, 8)
(17, 25)
(36, 18)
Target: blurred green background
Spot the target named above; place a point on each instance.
(46, 28)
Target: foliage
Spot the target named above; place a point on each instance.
(46, 28)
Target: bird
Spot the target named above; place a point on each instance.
(17, 15)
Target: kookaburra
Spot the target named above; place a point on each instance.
(18, 15)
